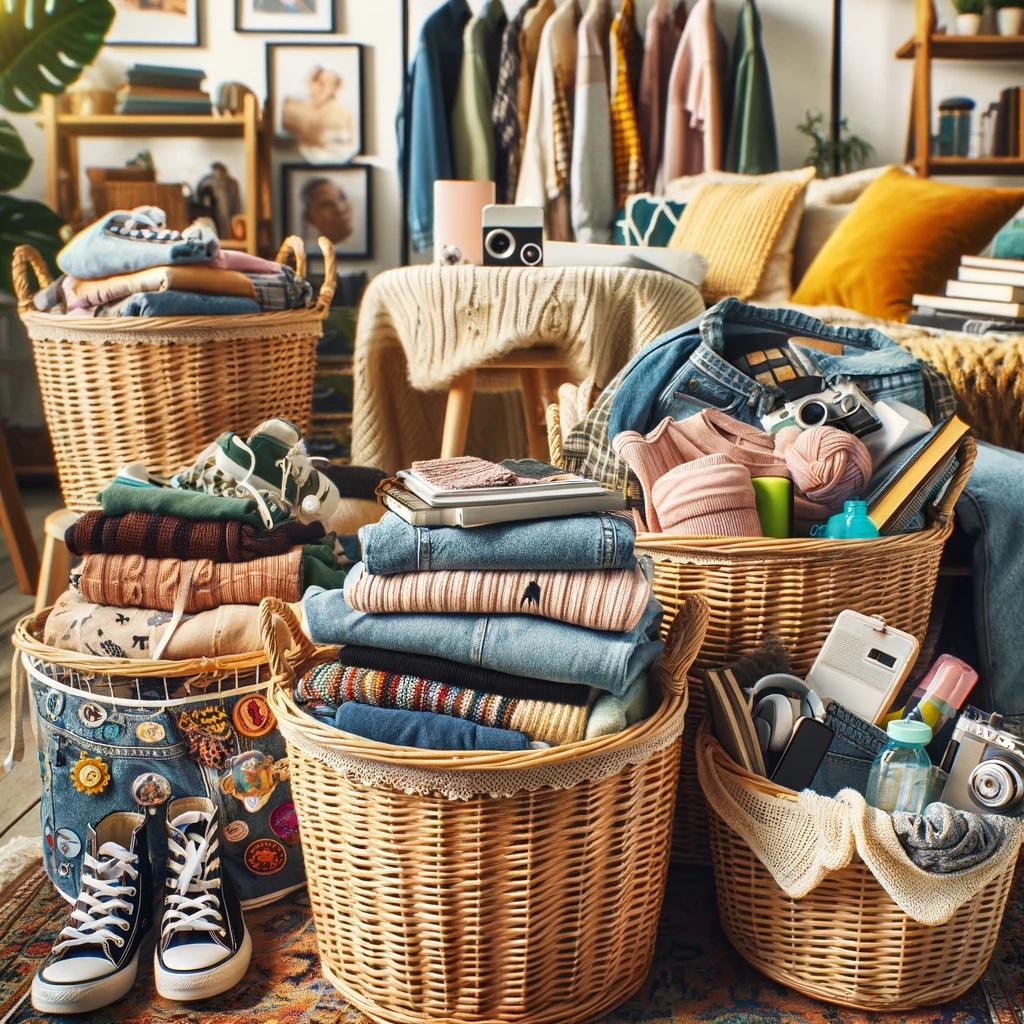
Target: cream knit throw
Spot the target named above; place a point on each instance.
(800, 842)
(420, 327)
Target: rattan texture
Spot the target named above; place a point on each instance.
(160, 389)
(845, 942)
(793, 588)
(173, 199)
(540, 905)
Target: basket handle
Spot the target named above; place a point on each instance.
(292, 253)
(966, 454)
(275, 613)
(26, 257)
(17, 698)
(683, 642)
(326, 295)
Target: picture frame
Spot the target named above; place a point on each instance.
(279, 16)
(155, 23)
(311, 207)
(316, 99)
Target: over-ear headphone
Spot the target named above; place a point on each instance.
(776, 702)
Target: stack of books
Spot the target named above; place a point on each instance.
(549, 493)
(152, 89)
(1006, 138)
(986, 297)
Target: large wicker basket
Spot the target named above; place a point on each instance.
(477, 887)
(793, 588)
(846, 941)
(160, 389)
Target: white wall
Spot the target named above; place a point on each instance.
(876, 87)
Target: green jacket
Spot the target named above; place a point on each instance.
(752, 147)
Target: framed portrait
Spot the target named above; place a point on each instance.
(284, 15)
(315, 99)
(155, 23)
(331, 200)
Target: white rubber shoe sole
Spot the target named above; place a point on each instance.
(186, 986)
(48, 997)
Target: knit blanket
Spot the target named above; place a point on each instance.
(421, 327)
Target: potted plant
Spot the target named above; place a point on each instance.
(1009, 16)
(849, 153)
(45, 48)
(968, 16)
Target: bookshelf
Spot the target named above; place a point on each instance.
(925, 46)
(62, 130)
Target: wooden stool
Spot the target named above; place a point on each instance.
(14, 524)
(56, 567)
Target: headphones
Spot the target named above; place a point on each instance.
(776, 702)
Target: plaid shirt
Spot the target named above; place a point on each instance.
(627, 148)
(283, 290)
(505, 110)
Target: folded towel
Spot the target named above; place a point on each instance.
(423, 729)
(82, 292)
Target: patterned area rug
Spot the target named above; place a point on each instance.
(696, 975)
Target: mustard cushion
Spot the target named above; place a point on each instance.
(904, 235)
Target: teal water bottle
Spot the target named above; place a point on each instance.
(852, 523)
(900, 777)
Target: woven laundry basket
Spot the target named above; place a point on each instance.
(793, 588)
(475, 887)
(160, 389)
(846, 941)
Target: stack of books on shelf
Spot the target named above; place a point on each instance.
(152, 89)
(986, 297)
(1006, 132)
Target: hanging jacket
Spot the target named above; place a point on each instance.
(626, 53)
(752, 146)
(529, 51)
(664, 28)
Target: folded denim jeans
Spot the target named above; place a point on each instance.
(854, 747)
(175, 303)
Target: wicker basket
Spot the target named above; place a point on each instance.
(846, 941)
(480, 886)
(160, 389)
(172, 197)
(793, 588)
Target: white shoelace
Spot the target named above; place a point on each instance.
(102, 893)
(194, 905)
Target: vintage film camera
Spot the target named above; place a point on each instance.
(513, 236)
(985, 765)
(811, 402)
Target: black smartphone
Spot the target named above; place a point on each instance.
(803, 754)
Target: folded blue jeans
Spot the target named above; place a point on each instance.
(178, 303)
(424, 729)
(599, 541)
(847, 762)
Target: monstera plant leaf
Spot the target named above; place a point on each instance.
(45, 44)
(26, 222)
(14, 159)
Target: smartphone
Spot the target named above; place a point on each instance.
(805, 751)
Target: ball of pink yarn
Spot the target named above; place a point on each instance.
(828, 465)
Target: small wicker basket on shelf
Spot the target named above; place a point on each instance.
(476, 887)
(160, 389)
(793, 588)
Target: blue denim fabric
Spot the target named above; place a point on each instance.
(178, 303)
(687, 370)
(523, 645)
(424, 729)
(570, 542)
(851, 753)
(67, 726)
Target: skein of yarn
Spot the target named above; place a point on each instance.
(828, 466)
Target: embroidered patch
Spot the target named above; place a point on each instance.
(235, 831)
(250, 778)
(92, 714)
(265, 857)
(285, 823)
(54, 705)
(208, 735)
(90, 774)
(69, 844)
(252, 716)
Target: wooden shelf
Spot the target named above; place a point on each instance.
(946, 47)
(994, 165)
(168, 125)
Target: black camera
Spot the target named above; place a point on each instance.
(513, 236)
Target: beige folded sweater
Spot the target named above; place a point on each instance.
(81, 293)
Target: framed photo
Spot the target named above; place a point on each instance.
(284, 15)
(155, 23)
(315, 99)
(334, 201)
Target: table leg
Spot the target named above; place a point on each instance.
(456, 417)
(532, 386)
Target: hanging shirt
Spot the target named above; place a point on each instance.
(660, 42)
(696, 98)
(472, 132)
(592, 175)
(505, 111)
(433, 82)
(628, 153)
(529, 51)
(752, 147)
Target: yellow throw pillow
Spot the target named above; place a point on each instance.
(746, 227)
(904, 235)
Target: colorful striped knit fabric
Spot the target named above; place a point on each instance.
(331, 684)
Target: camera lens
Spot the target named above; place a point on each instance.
(812, 413)
(531, 254)
(995, 784)
(499, 243)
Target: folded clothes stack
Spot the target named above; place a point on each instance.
(177, 569)
(129, 263)
(499, 637)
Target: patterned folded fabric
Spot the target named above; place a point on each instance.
(165, 536)
(605, 599)
(332, 684)
(282, 289)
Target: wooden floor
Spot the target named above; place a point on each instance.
(19, 791)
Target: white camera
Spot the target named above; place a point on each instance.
(987, 770)
(513, 236)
